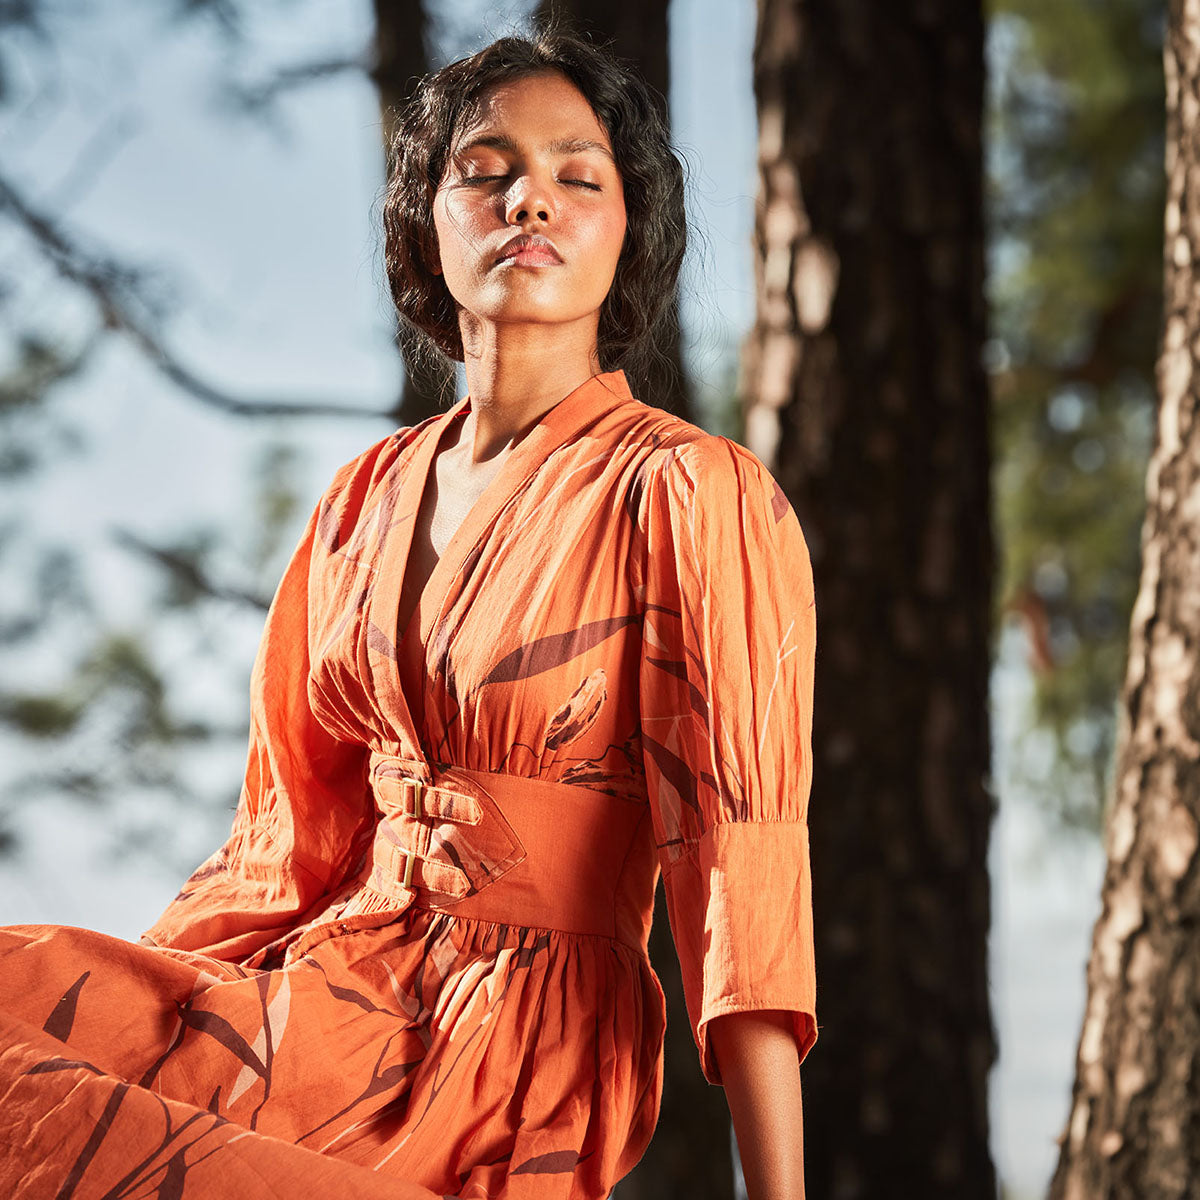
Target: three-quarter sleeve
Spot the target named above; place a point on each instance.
(725, 692)
(304, 803)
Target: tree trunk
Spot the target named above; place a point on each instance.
(635, 30)
(865, 394)
(1134, 1126)
(399, 60)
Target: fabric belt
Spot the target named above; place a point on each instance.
(512, 850)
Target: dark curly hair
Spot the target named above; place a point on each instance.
(643, 289)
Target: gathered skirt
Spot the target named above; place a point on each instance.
(415, 1060)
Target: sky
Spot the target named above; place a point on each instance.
(266, 242)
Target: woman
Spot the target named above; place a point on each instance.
(526, 654)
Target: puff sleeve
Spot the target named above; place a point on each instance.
(725, 691)
(304, 807)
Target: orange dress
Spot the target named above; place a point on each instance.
(417, 966)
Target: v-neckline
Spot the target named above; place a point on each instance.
(424, 469)
(571, 414)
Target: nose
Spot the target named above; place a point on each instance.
(529, 199)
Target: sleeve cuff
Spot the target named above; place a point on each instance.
(752, 882)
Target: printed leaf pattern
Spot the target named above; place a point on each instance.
(628, 611)
(580, 711)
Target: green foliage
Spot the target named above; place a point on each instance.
(29, 430)
(116, 682)
(1075, 203)
(97, 704)
(184, 586)
(112, 724)
(40, 716)
(275, 506)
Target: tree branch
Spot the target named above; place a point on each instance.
(188, 571)
(116, 290)
(254, 97)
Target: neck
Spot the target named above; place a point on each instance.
(517, 373)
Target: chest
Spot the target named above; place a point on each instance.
(452, 489)
(522, 615)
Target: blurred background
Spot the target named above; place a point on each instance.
(197, 333)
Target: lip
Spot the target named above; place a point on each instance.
(529, 250)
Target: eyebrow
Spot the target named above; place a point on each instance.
(501, 141)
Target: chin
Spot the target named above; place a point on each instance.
(533, 310)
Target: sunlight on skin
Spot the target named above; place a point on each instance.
(760, 1068)
(536, 162)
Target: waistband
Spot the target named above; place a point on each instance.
(512, 850)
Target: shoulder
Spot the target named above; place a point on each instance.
(365, 480)
(686, 465)
(379, 458)
(706, 496)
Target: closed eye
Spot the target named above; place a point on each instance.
(585, 183)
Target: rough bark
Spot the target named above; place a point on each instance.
(634, 30)
(865, 394)
(1134, 1125)
(399, 59)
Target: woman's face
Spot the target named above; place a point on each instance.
(530, 213)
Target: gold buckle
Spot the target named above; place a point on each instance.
(418, 789)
